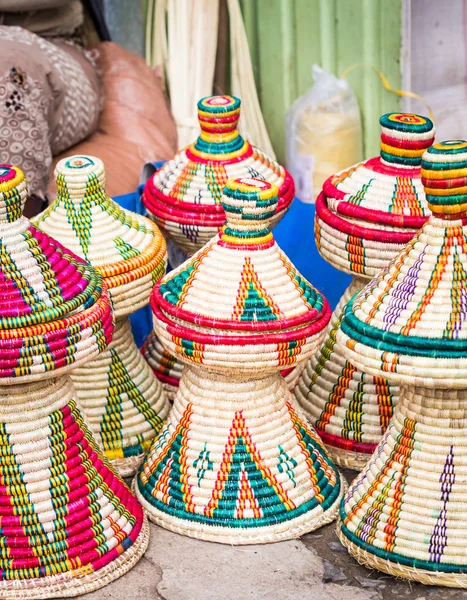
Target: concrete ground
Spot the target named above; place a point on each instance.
(315, 567)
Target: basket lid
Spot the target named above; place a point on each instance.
(412, 318)
(241, 280)
(188, 189)
(380, 201)
(126, 248)
(49, 298)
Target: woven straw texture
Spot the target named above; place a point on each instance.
(54, 312)
(367, 213)
(168, 369)
(165, 366)
(349, 409)
(125, 422)
(184, 196)
(69, 524)
(238, 312)
(410, 322)
(239, 299)
(405, 514)
(292, 375)
(126, 248)
(256, 473)
(122, 400)
(364, 216)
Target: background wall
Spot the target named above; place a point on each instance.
(436, 62)
(126, 22)
(287, 36)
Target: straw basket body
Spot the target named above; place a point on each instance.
(406, 512)
(256, 472)
(124, 402)
(166, 367)
(228, 436)
(69, 525)
(364, 216)
(135, 406)
(349, 409)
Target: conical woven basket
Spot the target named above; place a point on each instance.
(69, 525)
(238, 312)
(127, 249)
(123, 401)
(184, 196)
(349, 409)
(364, 215)
(126, 423)
(405, 514)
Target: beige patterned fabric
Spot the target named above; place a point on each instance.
(49, 101)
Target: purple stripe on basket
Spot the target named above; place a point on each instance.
(402, 293)
(439, 536)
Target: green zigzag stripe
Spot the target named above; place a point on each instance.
(126, 250)
(80, 219)
(120, 383)
(274, 511)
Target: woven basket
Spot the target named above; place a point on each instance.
(364, 216)
(406, 513)
(237, 313)
(122, 400)
(349, 409)
(124, 247)
(165, 366)
(367, 213)
(69, 525)
(123, 378)
(54, 312)
(184, 196)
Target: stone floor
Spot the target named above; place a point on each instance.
(315, 567)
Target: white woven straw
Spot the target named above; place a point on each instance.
(31, 416)
(124, 409)
(341, 400)
(212, 402)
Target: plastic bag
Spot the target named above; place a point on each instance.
(324, 133)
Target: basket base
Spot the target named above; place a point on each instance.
(70, 584)
(236, 464)
(288, 530)
(123, 402)
(347, 459)
(389, 567)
